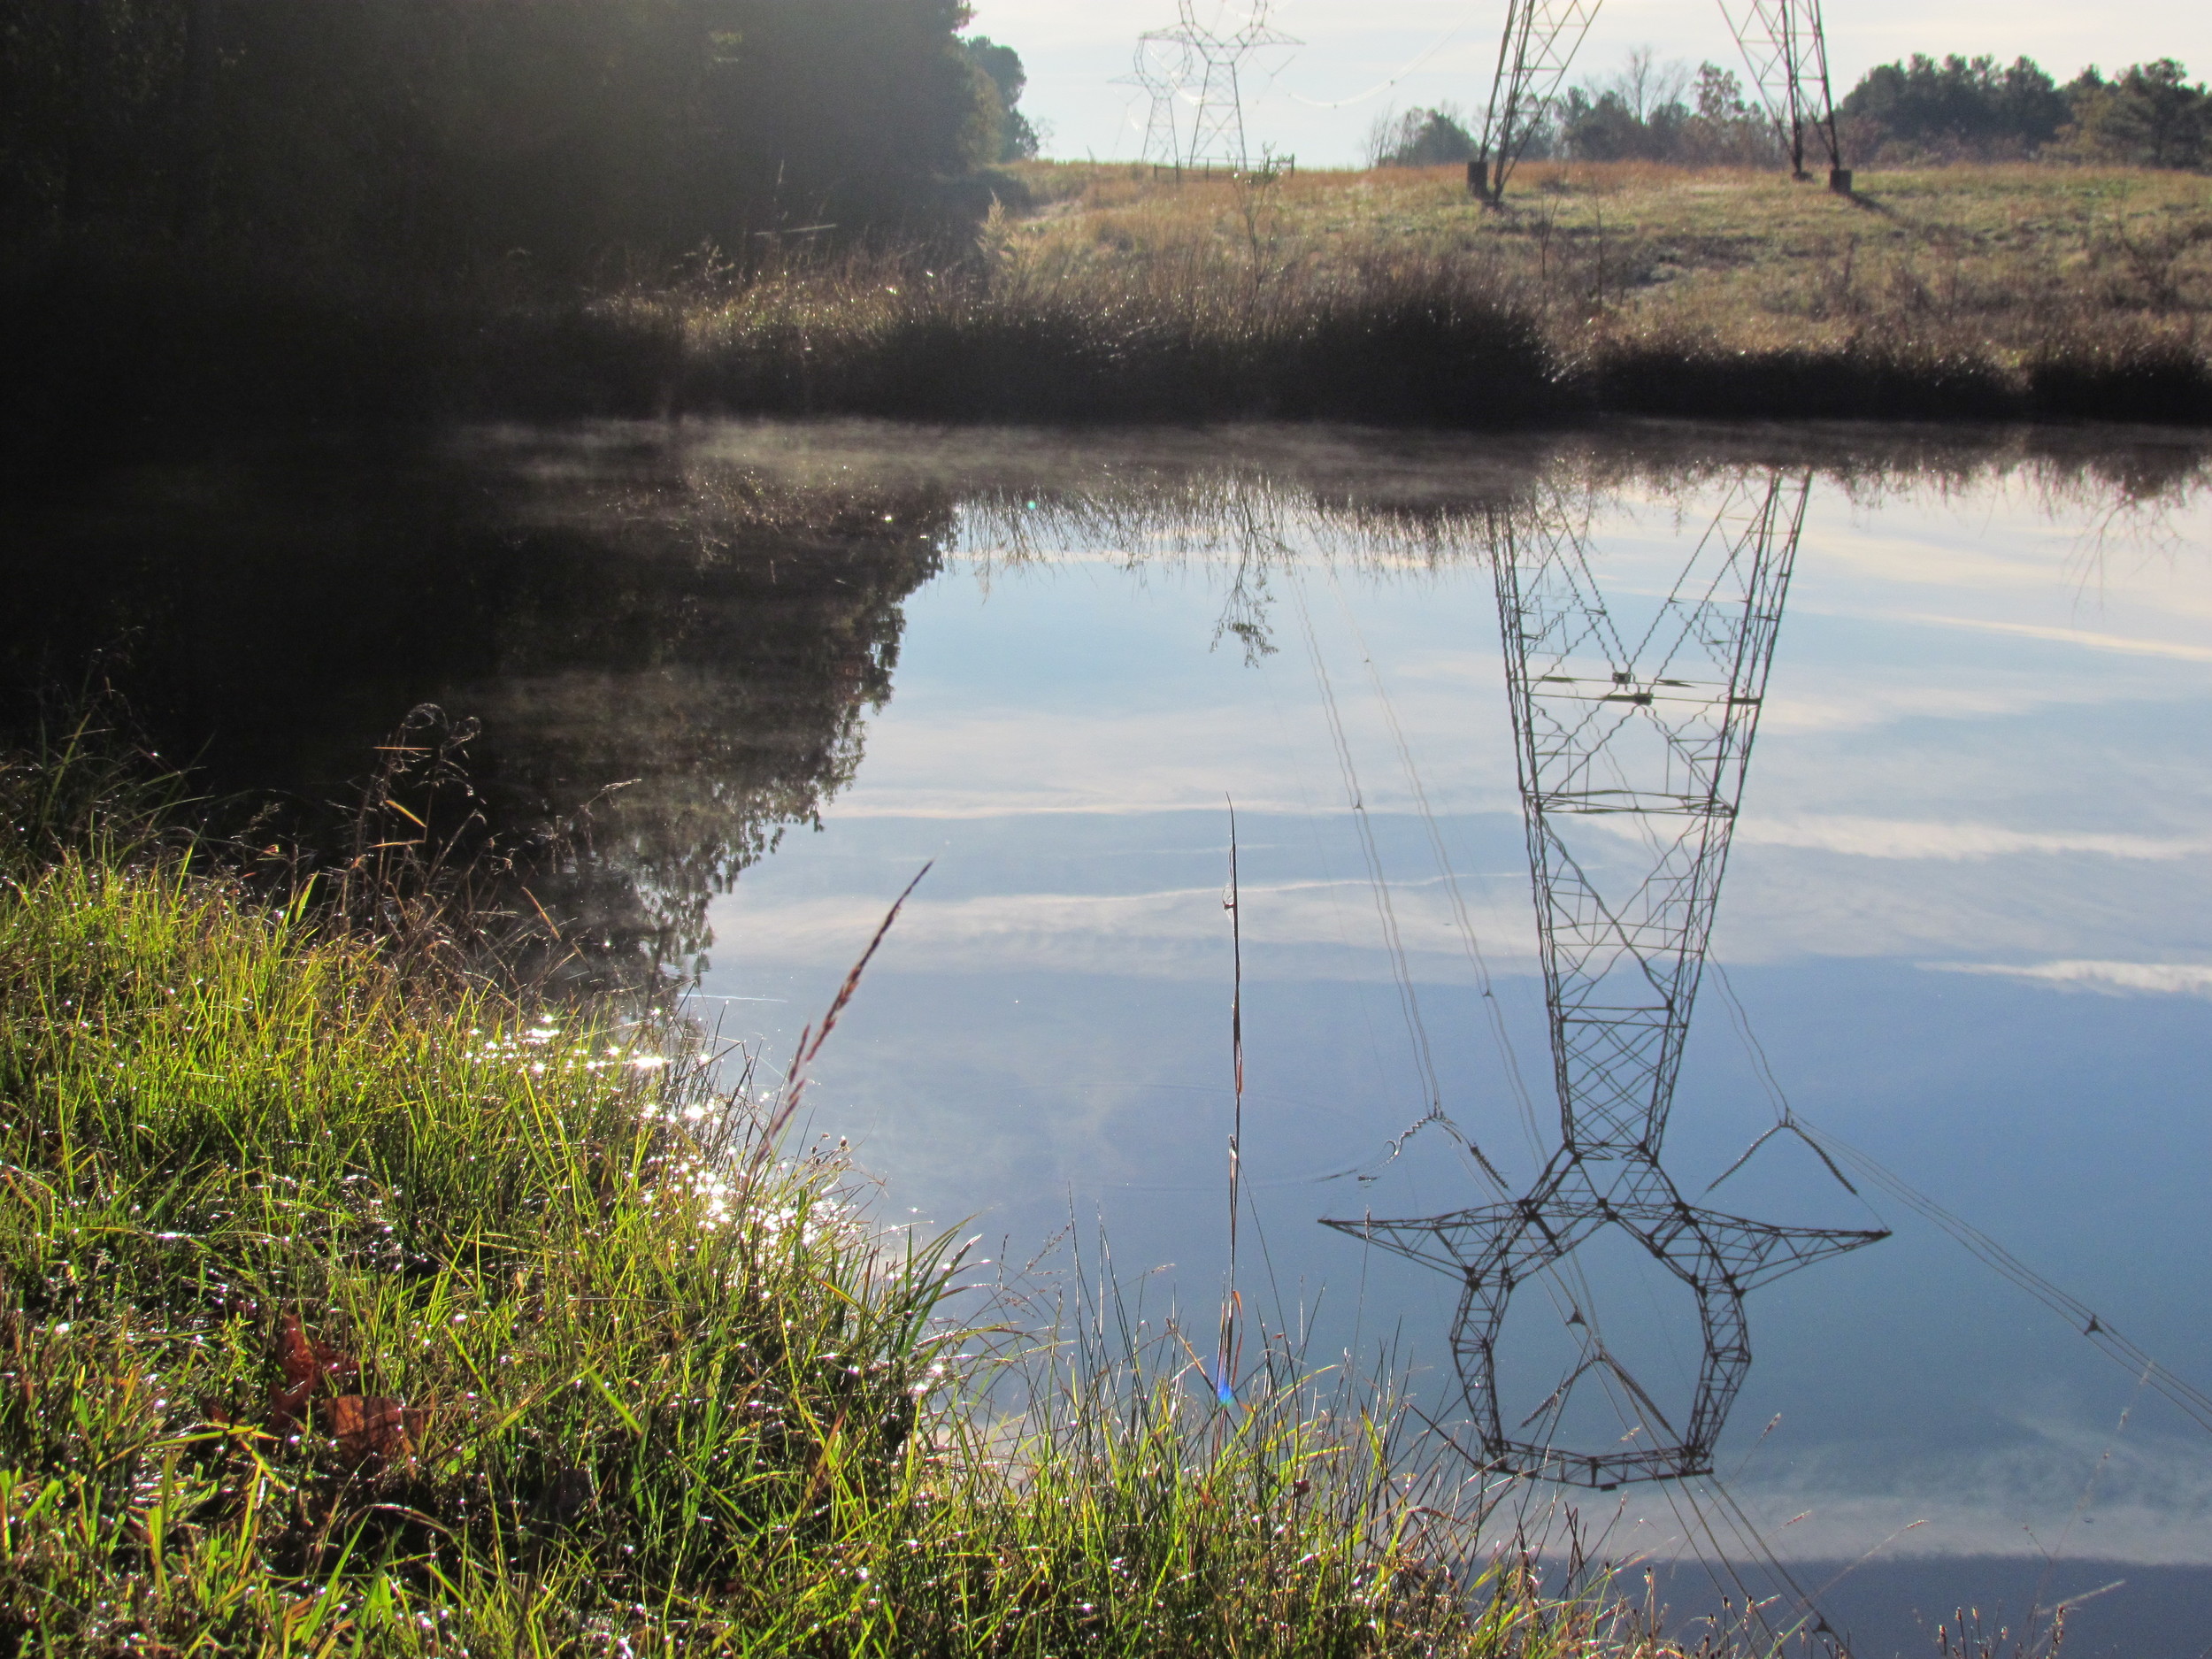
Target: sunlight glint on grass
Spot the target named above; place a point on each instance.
(355, 1308)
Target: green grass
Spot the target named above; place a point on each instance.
(356, 1306)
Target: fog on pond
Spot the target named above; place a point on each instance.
(1963, 935)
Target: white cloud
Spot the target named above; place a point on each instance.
(1853, 705)
(1292, 929)
(2065, 1486)
(2114, 979)
(1804, 1525)
(1898, 837)
(2089, 638)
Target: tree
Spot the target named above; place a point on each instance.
(2148, 116)
(1647, 85)
(1018, 139)
(1725, 129)
(1420, 138)
(546, 135)
(1600, 125)
(1966, 107)
(1654, 111)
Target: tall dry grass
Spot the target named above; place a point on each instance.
(1987, 291)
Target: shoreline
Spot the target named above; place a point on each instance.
(1966, 294)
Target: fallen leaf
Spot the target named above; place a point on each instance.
(375, 1426)
(305, 1362)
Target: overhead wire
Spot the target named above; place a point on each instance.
(1462, 919)
(1385, 913)
(1440, 42)
(2193, 1401)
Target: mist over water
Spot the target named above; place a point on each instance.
(1965, 920)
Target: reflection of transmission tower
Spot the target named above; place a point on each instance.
(1646, 731)
(1787, 52)
(1200, 65)
(1783, 45)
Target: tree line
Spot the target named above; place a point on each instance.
(438, 132)
(1915, 111)
(2147, 115)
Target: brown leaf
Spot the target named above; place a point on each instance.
(305, 1362)
(304, 1359)
(375, 1426)
(222, 1414)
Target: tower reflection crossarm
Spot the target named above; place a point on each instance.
(1494, 1249)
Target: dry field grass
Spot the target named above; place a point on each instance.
(2000, 256)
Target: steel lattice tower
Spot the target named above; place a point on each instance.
(1783, 43)
(1787, 50)
(1206, 73)
(1162, 68)
(1534, 54)
(1653, 726)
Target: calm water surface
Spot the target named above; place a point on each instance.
(1966, 925)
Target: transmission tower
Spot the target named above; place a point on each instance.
(1209, 78)
(1786, 51)
(1783, 45)
(1653, 726)
(1534, 54)
(1162, 68)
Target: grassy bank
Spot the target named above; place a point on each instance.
(1999, 289)
(354, 1305)
(1968, 292)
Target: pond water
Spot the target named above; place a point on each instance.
(1965, 933)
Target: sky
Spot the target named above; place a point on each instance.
(1361, 58)
(1965, 920)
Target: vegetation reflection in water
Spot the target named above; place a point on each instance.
(669, 639)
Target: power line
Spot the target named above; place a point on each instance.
(2194, 1401)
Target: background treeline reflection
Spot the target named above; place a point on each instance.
(673, 662)
(673, 639)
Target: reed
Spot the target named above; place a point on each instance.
(359, 1307)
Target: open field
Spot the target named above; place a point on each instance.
(2014, 260)
(1629, 287)
(356, 1305)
